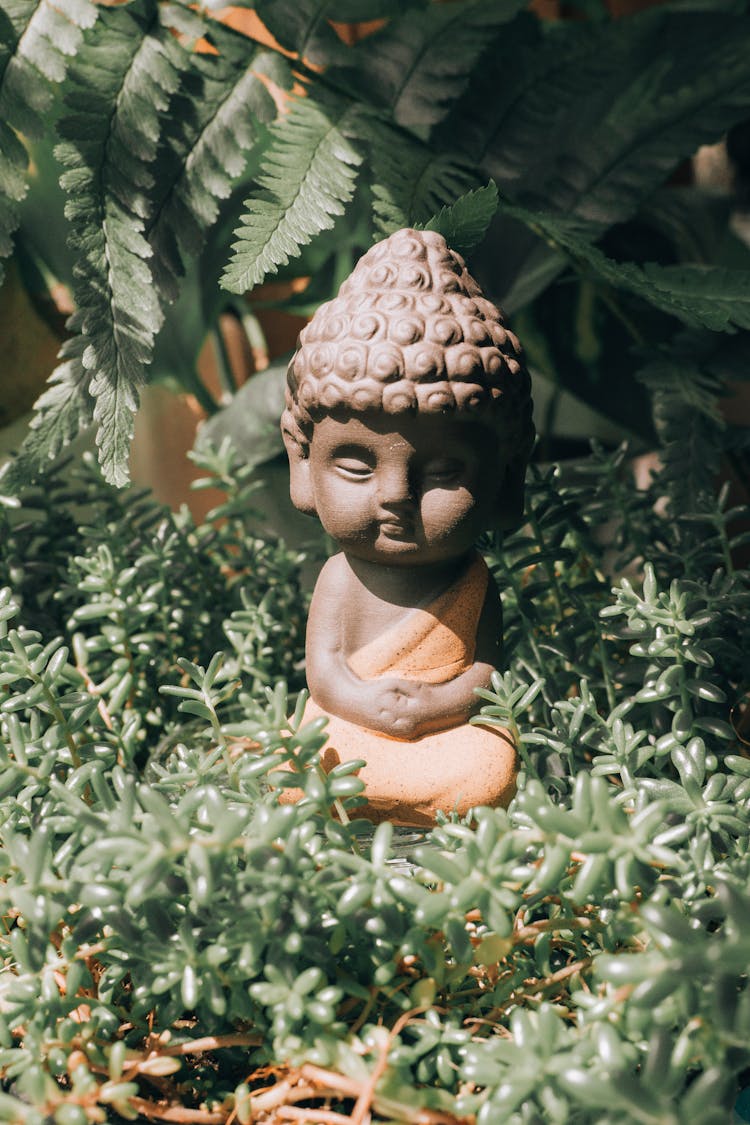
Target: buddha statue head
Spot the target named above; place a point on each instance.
(410, 334)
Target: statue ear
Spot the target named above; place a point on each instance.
(510, 495)
(300, 481)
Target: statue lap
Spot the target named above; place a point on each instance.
(409, 782)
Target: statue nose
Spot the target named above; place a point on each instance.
(395, 487)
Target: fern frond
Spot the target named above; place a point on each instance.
(412, 181)
(121, 81)
(39, 38)
(355, 11)
(714, 296)
(63, 410)
(464, 223)
(13, 166)
(589, 121)
(420, 62)
(214, 125)
(123, 78)
(308, 177)
(302, 26)
(710, 296)
(36, 39)
(152, 136)
(685, 387)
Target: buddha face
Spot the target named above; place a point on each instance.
(404, 489)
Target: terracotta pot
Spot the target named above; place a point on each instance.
(167, 423)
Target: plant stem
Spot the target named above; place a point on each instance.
(223, 364)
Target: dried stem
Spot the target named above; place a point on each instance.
(313, 1116)
(211, 1043)
(157, 1111)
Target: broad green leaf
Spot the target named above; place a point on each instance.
(251, 420)
(420, 63)
(464, 223)
(587, 121)
(308, 177)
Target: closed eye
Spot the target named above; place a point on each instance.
(442, 471)
(353, 467)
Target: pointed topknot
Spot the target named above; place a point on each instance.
(409, 330)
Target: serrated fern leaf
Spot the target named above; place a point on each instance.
(685, 388)
(420, 63)
(122, 80)
(36, 40)
(152, 136)
(411, 181)
(464, 224)
(63, 410)
(710, 296)
(13, 165)
(355, 11)
(214, 127)
(589, 121)
(714, 296)
(39, 38)
(302, 26)
(308, 177)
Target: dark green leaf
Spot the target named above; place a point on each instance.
(464, 224)
(420, 63)
(412, 181)
(587, 121)
(36, 40)
(212, 126)
(302, 26)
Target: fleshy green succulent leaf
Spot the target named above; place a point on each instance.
(36, 41)
(464, 223)
(308, 176)
(589, 121)
(420, 62)
(411, 180)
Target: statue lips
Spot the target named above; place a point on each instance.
(397, 532)
(395, 526)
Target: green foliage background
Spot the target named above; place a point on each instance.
(140, 136)
(174, 941)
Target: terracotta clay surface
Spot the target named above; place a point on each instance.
(406, 783)
(408, 427)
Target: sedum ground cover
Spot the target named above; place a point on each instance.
(178, 947)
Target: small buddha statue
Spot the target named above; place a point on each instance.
(408, 429)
